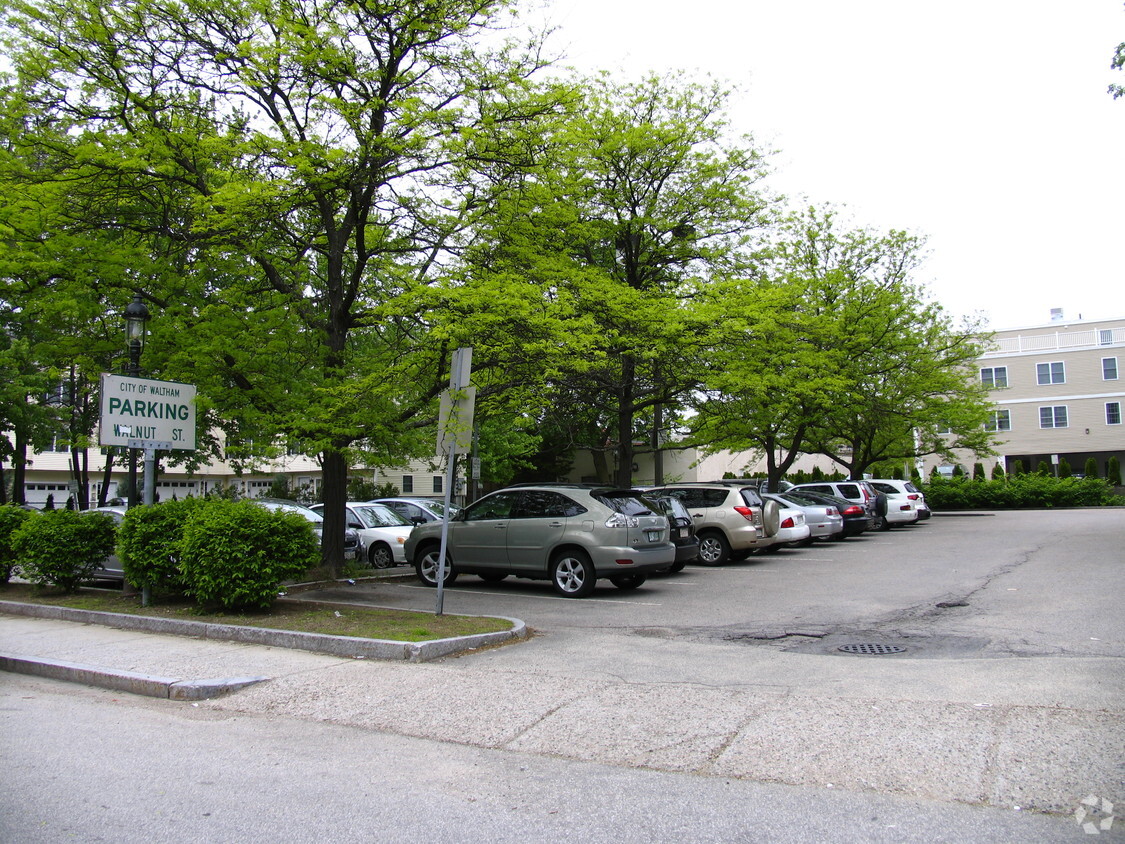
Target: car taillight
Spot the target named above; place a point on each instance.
(831, 511)
(746, 512)
(913, 497)
(854, 510)
(620, 520)
(788, 523)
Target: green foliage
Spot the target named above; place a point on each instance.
(386, 490)
(236, 554)
(363, 489)
(997, 472)
(978, 471)
(1064, 468)
(149, 540)
(62, 548)
(817, 473)
(1018, 491)
(1044, 468)
(1090, 470)
(958, 470)
(1113, 471)
(1017, 467)
(11, 517)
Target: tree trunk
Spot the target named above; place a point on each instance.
(624, 479)
(19, 469)
(107, 476)
(335, 475)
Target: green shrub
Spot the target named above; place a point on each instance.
(1019, 491)
(1113, 471)
(236, 554)
(978, 471)
(1090, 470)
(997, 472)
(1064, 468)
(63, 548)
(1044, 468)
(148, 543)
(1017, 467)
(11, 517)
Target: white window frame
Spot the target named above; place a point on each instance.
(1117, 411)
(992, 381)
(438, 479)
(1105, 370)
(1055, 408)
(1050, 373)
(407, 484)
(999, 416)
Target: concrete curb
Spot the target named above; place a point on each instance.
(126, 681)
(348, 646)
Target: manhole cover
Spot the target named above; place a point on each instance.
(871, 649)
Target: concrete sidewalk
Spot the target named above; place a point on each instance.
(1034, 757)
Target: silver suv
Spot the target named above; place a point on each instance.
(730, 517)
(570, 534)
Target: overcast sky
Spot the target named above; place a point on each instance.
(982, 124)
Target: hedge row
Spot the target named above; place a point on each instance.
(1018, 491)
(233, 555)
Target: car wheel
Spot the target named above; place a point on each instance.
(628, 581)
(572, 574)
(881, 523)
(426, 565)
(380, 556)
(771, 517)
(677, 566)
(772, 549)
(492, 576)
(714, 550)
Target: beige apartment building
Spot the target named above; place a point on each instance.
(1058, 393)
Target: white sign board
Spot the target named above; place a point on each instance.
(137, 412)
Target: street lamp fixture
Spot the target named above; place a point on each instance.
(136, 315)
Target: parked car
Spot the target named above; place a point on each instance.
(351, 537)
(570, 534)
(891, 486)
(681, 530)
(856, 517)
(417, 511)
(901, 508)
(824, 520)
(858, 492)
(791, 530)
(382, 533)
(111, 569)
(731, 520)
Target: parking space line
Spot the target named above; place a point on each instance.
(533, 596)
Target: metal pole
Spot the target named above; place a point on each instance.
(450, 474)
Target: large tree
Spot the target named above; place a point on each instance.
(640, 200)
(301, 165)
(835, 348)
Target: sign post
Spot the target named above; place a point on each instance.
(143, 413)
(455, 429)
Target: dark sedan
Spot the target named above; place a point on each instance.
(856, 519)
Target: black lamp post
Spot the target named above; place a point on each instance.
(136, 315)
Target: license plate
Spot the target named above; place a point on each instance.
(682, 533)
(653, 535)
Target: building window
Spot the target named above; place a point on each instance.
(1109, 369)
(437, 483)
(407, 484)
(1051, 373)
(1105, 337)
(1052, 417)
(1113, 413)
(994, 377)
(1001, 420)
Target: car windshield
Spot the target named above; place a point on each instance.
(311, 515)
(800, 500)
(627, 503)
(376, 515)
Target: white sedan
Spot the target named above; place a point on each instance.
(382, 532)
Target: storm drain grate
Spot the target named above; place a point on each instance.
(872, 649)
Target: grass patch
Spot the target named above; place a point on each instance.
(333, 620)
